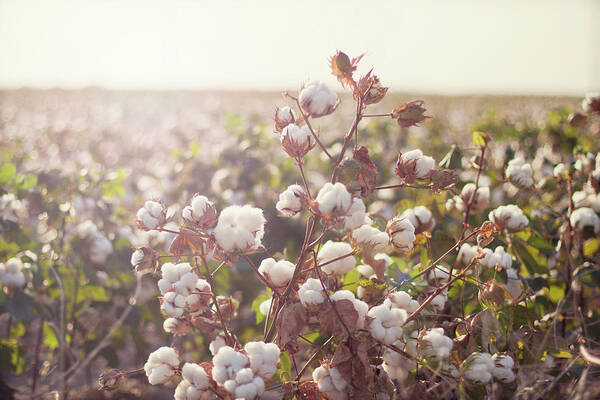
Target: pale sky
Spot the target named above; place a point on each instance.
(429, 46)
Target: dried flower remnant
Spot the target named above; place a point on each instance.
(370, 89)
(410, 114)
(414, 165)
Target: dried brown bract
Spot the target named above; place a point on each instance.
(342, 67)
(410, 114)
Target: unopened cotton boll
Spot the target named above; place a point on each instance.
(333, 200)
(414, 165)
(195, 382)
(151, 216)
(386, 323)
(311, 293)
(519, 173)
(317, 100)
(509, 217)
(240, 229)
(263, 358)
(279, 273)
(332, 250)
(292, 200)
(201, 212)
(360, 306)
(357, 215)
(369, 238)
(478, 368)
(297, 140)
(435, 345)
(161, 365)
(330, 381)
(11, 274)
(421, 218)
(402, 233)
(585, 217)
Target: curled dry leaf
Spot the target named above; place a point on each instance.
(370, 89)
(187, 241)
(330, 321)
(352, 361)
(342, 67)
(410, 114)
(208, 327)
(309, 391)
(378, 265)
(368, 171)
(290, 322)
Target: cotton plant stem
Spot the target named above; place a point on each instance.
(299, 162)
(259, 275)
(313, 357)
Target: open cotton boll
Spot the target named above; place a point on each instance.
(279, 273)
(217, 343)
(330, 381)
(317, 100)
(386, 323)
(200, 212)
(370, 238)
(503, 365)
(559, 171)
(396, 365)
(478, 368)
(151, 216)
(357, 215)
(100, 249)
(283, 117)
(440, 275)
(421, 218)
(226, 364)
(513, 283)
(297, 140)
(404, 301)
(360, 306)
(161, 365)
(265, 306)
(414, 165)
(584, 217)
(466, 253)
(194, 384)
(509, 217)
(311, 293)
(177, 326)
(480, 202)
(332, 250)
(333, 200)
(11, 274)
(291, 200)
(519, 173)
(263, 358)
(402, 233)
(240, 229)
(435, 345)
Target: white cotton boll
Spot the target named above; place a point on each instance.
(240, 229)
(100, 249)
(519, 173)
(585, 163)
(439, 302)
(421, 218)
(311, 293)
(360, 306)
(297, 140)
(173, 304)
(365, 270)
(478, 368)
(154, 208)
(334, 200)
(332, 250)
(11, 274)
(404, 301)
(370, 238)
(503, 361)
(584, 217)
(330, 381)
(161, 365)
(503, 365)
(402, 233)
(263, 358)
(559, 170)
(227, 362)
(216, 344)
(357, 215)
(151, 216)
(395, 364)
(195, 382)
(513, 283)
(480, 202)
(435, 345)
(387, 321)
(504, 375)
(439, 275)
(265, 306)
(504, 259)
(291, 200)
(422, 164)
(201, 212)
(382, 256)
(286, 114)
(279, 273)
(509, 217)
(489, 259)
(317, 100)
(466, 253)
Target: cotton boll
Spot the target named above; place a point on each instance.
(387, 321)
(369, 238)
(404, 301)
(357, 215)
(217, 343)
(402, 233)
(360, 306)
(292, 200)
(503, 365)
(151, 216)
(435, 345)
(396, 365)
(100, 249)
(439, 276)
(279, 273)
(466, 253)
(263, 358)
(414, 165)
(311, 293)
(365, 270)
(513, 283)
(559, 171)
(195, 382)
(297, 140)
(480, 202)
(201, 212)
(11, 274)
(227, 362)
(509, 217)
(240, 229)
(421, 218)
(283, 117)
(333, 200)
(265, 306)
(478, 368)
(332, 250)
(330, 381)
(519, 173)
(317, 100)
(177, 326)
(161, 365)
(584, 217)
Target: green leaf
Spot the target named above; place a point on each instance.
(452, 159)
(7, 172)
(480, 138)
(28, 182)
(50, 339)
(19, 306)
(529, 256)
(12, 358)
(591, 247)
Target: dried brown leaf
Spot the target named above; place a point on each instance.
(368, 171)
